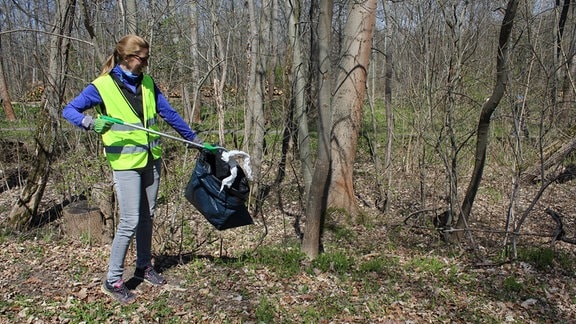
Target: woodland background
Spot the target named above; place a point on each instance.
(412, 160)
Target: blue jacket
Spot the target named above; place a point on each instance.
(90, 97)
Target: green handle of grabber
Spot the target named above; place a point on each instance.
(112, 119)
(209, 148)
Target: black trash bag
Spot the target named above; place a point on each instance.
(223, 209)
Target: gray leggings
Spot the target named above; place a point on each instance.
(136, 191)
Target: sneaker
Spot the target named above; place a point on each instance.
(118, 291)
(149, 275)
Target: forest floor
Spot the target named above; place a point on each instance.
(386, 268)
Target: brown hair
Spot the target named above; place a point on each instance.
(126, 46)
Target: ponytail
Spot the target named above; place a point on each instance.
(109, 64)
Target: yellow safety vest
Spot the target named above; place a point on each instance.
(127, 147)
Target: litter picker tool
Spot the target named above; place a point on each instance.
(204, 146)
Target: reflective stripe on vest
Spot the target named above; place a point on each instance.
(127, 147)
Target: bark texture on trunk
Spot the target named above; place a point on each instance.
(316, 200)
(349, 102)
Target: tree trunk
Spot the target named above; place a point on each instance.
(271, 51)
(192, 114)
(486, 114)
(561, 56)
(389, 111)
(533, 172)
(316, 200)
(87, 18)
(131, 18)
(4, 94)
(349, 102)
(24, 212)
(254, 113)
(219, 74)
(297, 97)
(566, 73)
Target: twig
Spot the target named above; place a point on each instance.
(559, 233)
(422, 211)
(44, 32)
(490, 231)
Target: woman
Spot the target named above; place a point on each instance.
(123, 91)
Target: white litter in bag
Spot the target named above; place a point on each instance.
(226, 155)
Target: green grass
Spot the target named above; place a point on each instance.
(336, 262)
(79, 271)
(4, 235)
(511, 287)
(25, 115)
(161, 309)
(541, 258)
(373, 265)
(493, 194)
(90, 312)
(87, 238)
(265, 311)
(285, 261)
(428, 265)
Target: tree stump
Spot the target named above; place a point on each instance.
(84, 222)
(103, 196)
